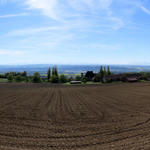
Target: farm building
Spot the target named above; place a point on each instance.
(132, 79)
(124, 77)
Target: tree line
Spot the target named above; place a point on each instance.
(54, 77)
(104, 75)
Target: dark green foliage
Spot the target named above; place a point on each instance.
(78, 78)
(145, 76)
(89, 75)
(36, 78)
(84, 80)
(24, 74)
(108, 71)
(62, 78)
(101, 74)
(19, 78)
(54, 71)
(10, 77)
(54, 79)
(70, 79)
(3, 76)
(49, 74)
(55, 76)
(104, 71)
(27, 79)
(82, 75)
(97, 78)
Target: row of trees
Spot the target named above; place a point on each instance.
(54, 77)
(100, 77)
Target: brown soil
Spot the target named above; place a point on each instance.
(55, 117)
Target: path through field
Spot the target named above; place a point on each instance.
(52, 117)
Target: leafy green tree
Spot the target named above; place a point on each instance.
(89, 75)
(36, 78)
(62, 78)
(97, 78)
(24, 74)
(54, 79)
(78, 78)
(10, 77)
(27, 79)
(82, 75)
(84, 80)
(19, 78)
(49, 74)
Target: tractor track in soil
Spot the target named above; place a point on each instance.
(44, 116)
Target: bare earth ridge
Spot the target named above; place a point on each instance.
(57, 117)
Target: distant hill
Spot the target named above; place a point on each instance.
(72, 69)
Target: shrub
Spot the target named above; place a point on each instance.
(54, 79)
(84, 80)
(97, 78)
(63, 79)
(36, 78)
(70, 79)
(10, 77)
(78, 78)
(18, 78)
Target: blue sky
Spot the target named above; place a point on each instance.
(75, 32)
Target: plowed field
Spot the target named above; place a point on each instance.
(57, 117)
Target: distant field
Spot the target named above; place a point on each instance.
(83, 117)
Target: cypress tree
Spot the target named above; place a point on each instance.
(53, 71)
(49, 74)
(108, 71)
(55, 76)
(101, 73)
(56, 71)
(104, 71)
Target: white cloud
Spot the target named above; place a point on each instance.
(145, 10)
(10, 52)
(77, 10)
(31, 31)
(48, 7)
(13, 15)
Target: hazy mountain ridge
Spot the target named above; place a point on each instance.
(71, 69)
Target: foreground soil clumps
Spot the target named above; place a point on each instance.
(52, 117)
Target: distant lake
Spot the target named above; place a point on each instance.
(71, 69)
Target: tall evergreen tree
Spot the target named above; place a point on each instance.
(55, 76)
(53, 71)
(56, 71)
(101, 73)
(108, 71)
(104, 71)
(49, 74)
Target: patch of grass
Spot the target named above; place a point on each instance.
(90, 82)
(2, 80)
(87, 83)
